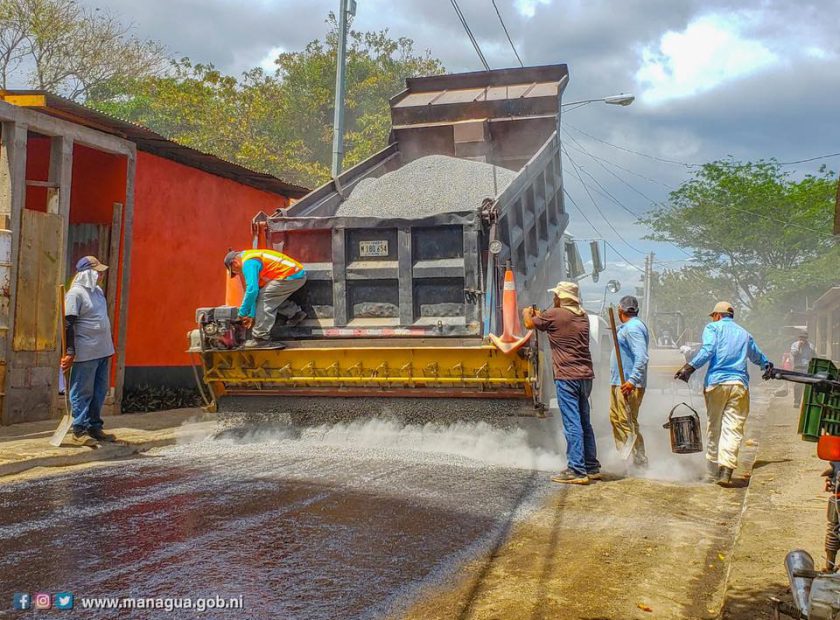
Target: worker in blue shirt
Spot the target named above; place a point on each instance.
(726, 348)
(626, 398)
(269, 278)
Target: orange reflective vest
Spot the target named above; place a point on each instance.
(275, 265)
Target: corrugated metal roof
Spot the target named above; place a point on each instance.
(831, 296)
(150, 141)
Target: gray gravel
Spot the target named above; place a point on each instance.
(425, 187)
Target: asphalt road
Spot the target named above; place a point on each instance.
(320, 526)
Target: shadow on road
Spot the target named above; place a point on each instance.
(499, 540)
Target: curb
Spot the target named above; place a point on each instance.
(86, 455)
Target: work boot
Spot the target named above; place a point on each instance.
(256, 343)
(99, 435)
(569, 476)
(297, 319)
(595, 474)
(725, 476)
(712, 470)
(81, 438)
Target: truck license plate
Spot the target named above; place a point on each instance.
(373, 248)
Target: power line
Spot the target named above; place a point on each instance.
(582, 149)
(684, 163)
(803, 161)
(595, 204)
(470, 34)
(639, 153)
(598, 232)
(601, 161)
(606, 193)
(507, 34)
(579, 149)
(618, 202)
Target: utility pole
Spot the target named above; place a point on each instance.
(648, 286)
(348, 8)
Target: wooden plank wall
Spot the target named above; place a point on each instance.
(39, 270)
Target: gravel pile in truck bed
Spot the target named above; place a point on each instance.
(425, 187)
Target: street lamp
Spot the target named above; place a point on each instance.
(622, 100)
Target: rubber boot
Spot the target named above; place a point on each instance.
(724, 476)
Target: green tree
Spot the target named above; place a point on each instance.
(760, 238)
(281, 122)
(691, 291)
(62, 47)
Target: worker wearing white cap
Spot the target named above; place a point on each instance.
(726, 348)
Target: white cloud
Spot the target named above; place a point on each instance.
(267, 62)
(711, 50)
(529, 7)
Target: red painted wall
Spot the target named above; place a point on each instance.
(184, 222)
(98, 182)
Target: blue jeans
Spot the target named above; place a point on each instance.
(573, 400)
(88, 388)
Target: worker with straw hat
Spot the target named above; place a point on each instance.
(726, 348)
(567, 328)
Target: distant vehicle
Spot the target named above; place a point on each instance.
(669, 349)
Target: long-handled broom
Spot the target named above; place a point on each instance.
(627, 448)
(67, 419)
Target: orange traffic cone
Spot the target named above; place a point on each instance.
(233, 291)
(510, 341)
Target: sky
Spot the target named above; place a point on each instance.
(748, 79)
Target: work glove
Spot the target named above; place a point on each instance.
(627, 388)
(684, 373)
(768, 371)
(247, 321)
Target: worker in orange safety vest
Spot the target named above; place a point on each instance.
(268, 278)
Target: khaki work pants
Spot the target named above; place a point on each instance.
(273, 299)
(727, 407)
(624, 418)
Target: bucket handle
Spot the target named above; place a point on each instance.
(671, 413)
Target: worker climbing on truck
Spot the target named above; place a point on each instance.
(269, 279)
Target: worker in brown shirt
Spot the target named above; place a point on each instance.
(567, 328)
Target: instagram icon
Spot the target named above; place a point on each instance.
(42, 600)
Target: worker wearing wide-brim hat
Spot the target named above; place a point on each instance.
(726, 348)
(567, 328)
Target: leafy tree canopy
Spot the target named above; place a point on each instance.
(278, 122)
(62, 47)
(760, 239)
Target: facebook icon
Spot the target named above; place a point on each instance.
(21, 601)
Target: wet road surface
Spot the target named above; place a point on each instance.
(298, 528)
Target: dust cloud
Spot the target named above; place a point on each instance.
(529, 444)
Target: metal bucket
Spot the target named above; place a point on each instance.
(686, 436)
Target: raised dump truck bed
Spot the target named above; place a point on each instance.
(401, 296)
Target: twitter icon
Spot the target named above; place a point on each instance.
(63, 600)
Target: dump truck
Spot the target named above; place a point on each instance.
(401, 299)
